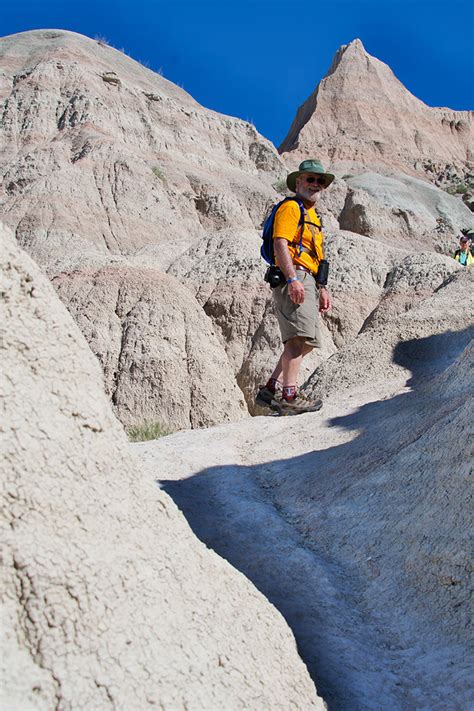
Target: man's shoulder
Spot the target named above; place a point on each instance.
(289, 207)
(312, 212)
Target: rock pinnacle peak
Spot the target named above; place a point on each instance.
(352, 51)
(360, 115)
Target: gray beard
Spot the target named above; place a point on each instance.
(306, 195)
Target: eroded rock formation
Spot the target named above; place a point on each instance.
(114, 176)
(354, 520)
(141, 206)
(110, 169)
(108, 599)
(158, 349)
(102, 166)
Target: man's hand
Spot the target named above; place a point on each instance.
(285, 262)
(324, 300)
(296, 292)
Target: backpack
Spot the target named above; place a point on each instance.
(266, 250)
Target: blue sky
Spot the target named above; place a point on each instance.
(260, 60)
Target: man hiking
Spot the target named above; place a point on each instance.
(463, 254)
(298, 250)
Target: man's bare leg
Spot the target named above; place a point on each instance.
(291, 360)
(289, 363)
(284, 379)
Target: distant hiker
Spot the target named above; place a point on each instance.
(299, 281)
(463, 254)
(469, 233)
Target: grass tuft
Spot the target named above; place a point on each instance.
(459, 188)
(156, 170)
(147, 431)
(280, 186)
(102, 41)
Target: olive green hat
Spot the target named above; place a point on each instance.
(312, 165)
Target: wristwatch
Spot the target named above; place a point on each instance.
(291, 280)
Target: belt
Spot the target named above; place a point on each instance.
(298, 267)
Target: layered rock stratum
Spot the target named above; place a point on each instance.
(102, 155)
(361, 116)
(108, 600)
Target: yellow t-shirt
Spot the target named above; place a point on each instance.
(467, 258)
(286, 226)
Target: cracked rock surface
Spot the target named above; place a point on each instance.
(158, 350)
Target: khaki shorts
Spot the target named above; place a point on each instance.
(299, 319)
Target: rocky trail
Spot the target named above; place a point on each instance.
(287, 525)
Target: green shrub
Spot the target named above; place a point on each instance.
(458, 189)
(147, 431)
(156, 170)
(280, 186)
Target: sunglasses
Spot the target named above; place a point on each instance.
(319, 181)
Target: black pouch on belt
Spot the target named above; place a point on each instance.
(274, 276)
(323, 273)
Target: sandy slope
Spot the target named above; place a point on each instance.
(358, 534)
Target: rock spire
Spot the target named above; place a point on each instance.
(361, 116)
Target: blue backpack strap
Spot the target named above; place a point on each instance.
(301, 221)
(266, 249)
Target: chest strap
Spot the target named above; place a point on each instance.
(311, 252)
(313, 228)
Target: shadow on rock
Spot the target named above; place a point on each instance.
(352, 543)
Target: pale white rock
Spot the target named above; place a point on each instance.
(330, 203)
(426, 295)
(358, 270)
(403, 210)
(108, 600)
(354, 520)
